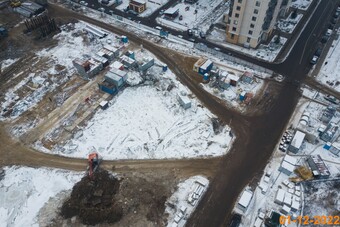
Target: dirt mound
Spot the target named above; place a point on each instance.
(93, 200)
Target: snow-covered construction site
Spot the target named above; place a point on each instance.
(89, 90)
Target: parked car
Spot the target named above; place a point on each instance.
(190, 33)
(235, 220)
(314, 60)
(336, 15)
(161, 12)
(202, 35)
(180, 17)
(324, 39)
(318, 52)
(216, 48)
(187, 8)
(101, 9)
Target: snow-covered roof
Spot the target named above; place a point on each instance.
(258, 222)
(110, 48)
(245, 198)
(288, 199)
(206, 64)
(127, 59)
(117, 65)
(171, 10)
(336, 145)
(113, 76)
(290, 159)
(298, 139)
(233, 77)
(118, 72)
(103, 103)
(288, 166)
(139, 2)
(280, 195)
(184, 99)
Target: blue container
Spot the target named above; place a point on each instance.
(165, 68)
(124, 39)
(206, 77)
(243, 96)
(327, 146)
(109, 90)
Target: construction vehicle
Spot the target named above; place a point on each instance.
(15, 3)
(93, 163)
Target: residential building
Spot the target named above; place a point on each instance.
(251, 21)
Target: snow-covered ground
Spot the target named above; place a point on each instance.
(180, 205)
(199, 16)
(330, 71)
(151, 6)
(311, 201)
(24, 191)
(147, 121)
(72, 43)
(7, 62)
(288, 25)
(266, 52)
(301, 4)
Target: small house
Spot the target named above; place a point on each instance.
(297, 141)
(171, 13)
(128, 62)
(138, 6)
(108, 87)
(117, 65)
(184, 101)
(245, 200)
(233, 79)
(114, 79)
(247, 77)
(146, 64)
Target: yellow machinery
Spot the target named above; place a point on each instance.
(15, 3)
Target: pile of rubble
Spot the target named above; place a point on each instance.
(93, 200)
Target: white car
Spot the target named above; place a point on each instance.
(314, 60)
(101, 9)
(83, 3)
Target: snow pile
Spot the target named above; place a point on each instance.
(288, 25)
(24, 191)
(178, 206)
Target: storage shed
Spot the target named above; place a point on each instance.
(233, 79)
(119, 73)
(184, 101)
(117, 65)
(280, 196)
(297, 141)
(128, 62)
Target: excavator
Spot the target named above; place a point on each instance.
(93, 163)
(15, 3)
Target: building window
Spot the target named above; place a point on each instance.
(239, 1)
(256, 11)
(232, 36)
(237, 15)
(252, 25)
(235, 22)
(257, 3)
(250, 32)
(248, 40)
(234, 29)
(253, 18)
(238, 8)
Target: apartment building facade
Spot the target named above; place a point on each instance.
(251, 21)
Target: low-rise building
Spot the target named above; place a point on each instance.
(335, 148)
(128, 62)
(245, 200)
(297, 141)
(318, 167)
(288, 165)
(171, 13)
(146, 64)
(184, 101)
(329, 132)
(87, 68)
(203, 66)
(139, 6)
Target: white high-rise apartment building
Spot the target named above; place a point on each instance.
(251, 21)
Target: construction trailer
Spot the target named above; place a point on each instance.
(203, 66)
(107, 87)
